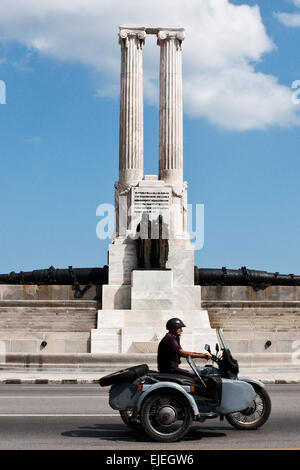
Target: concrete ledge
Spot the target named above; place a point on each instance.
(77, 360)
(116, 361)
(88, 368)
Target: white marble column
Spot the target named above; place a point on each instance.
(170, 107)
(131, 106)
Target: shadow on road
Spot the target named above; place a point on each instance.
(120, 432)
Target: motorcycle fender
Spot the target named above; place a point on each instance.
(236, 396)
(251, 380)
(167, 385)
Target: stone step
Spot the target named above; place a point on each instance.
(250, 326)
(252, 312)
(62, 303)
(62, 322)
(78, 326)
(49, 321)
(255, 321)
(49, 328)
(239, 321)
(47, 315)
(46, 309)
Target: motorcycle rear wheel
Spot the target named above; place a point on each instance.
(255, 415)
(166, 416)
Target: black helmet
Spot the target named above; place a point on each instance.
(174, 324)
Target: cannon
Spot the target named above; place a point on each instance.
(72, 276)
(99, 276)
(243, 277)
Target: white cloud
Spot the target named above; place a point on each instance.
(223, 43)
(242, 99)
(33, 140)
(291, 20)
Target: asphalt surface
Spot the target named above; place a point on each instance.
(79, 417)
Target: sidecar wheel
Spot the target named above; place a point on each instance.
(126, 417)
(255, 415)
(166, 416)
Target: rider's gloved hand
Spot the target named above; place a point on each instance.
(208, 356)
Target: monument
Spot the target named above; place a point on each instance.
(151, 258)
(151, 277)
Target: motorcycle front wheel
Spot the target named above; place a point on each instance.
(255, 415)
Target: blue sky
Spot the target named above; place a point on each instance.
(59, 128)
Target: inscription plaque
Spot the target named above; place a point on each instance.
(152, 202)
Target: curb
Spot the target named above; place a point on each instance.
(48, 381)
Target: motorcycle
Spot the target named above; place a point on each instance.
(165, 405)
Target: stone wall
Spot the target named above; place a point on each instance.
(265, 320)
(46, 319)
(279, 293)
(47, 292)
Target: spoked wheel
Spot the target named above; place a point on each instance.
(255, 415)
(126, 417)
(166, 416)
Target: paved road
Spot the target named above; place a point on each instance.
(78, 417)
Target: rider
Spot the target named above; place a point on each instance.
(170, 350)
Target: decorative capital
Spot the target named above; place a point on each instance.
(171, 34)
(179, 190)
(123, 189)
(129, 33)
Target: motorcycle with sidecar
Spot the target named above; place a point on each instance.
(165, 405)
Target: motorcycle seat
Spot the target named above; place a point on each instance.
(172, 377)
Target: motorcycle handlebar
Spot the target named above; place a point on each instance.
(215, 359)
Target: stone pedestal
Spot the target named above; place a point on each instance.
(154, 300)
(153, 290)
(128, 331)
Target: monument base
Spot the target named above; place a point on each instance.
(153, 299)
(134, 316)
(132, 331)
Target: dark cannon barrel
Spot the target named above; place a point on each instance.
(70, 276)
(243, 277)
(99, 276)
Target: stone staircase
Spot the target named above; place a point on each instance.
(47, 326)
(270, 316)
(257, 326)
(255, 321)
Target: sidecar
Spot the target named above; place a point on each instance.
(165, 405)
